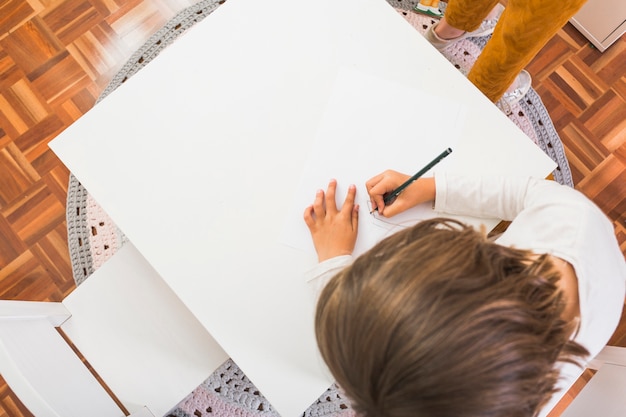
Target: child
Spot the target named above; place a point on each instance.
(437, 320)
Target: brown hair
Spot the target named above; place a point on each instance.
(438, 321)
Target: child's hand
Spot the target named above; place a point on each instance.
(333, 231)
(420, 191)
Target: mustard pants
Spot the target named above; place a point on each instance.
(523, 29)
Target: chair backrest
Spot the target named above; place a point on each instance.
(34, 356)
(605, 394)
(140, 339)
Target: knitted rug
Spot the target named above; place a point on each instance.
(94, 238)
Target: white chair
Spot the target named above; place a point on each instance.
(131, 328)
(605, 394)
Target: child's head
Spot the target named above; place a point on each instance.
(438, 321)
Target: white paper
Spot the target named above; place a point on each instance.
(353, 152)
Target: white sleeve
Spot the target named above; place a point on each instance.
(324, 271)
(483, 197)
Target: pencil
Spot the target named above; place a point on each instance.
(389, 198)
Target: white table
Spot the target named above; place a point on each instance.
(197, 158)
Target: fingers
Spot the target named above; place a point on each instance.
(348, 203)
(315, 210)
(319, 206)
(369, 184)
(308, 217)
(350, 209)
(380, 185)
(355, 217)
(331, 204)
(325, 204)
(391, 210)
(374, 187)
(376, 190)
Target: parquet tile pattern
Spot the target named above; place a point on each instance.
(585, 93)
(56, 56)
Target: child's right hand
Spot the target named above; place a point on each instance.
(420, 191)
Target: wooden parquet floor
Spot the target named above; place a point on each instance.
(56, 56)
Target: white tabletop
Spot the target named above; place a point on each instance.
(198, 157)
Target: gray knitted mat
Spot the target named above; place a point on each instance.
(94, 238)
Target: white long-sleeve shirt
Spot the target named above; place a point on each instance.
(546, 218)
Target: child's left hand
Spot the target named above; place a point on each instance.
(333, 231)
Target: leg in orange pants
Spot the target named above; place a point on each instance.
(523, 29)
